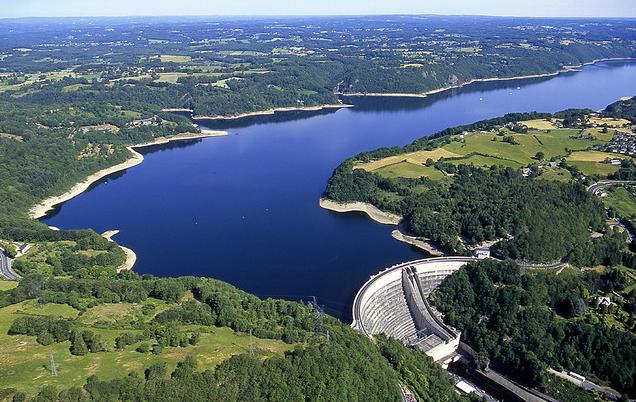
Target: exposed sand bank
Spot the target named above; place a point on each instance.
(41, 209)
(565, 69)
(177, 109)
(131, 257)
(273, 111)
(374, 213)
(417, 242)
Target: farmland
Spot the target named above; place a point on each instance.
(506, 148)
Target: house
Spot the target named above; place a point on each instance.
(142, 122)
(482, 253)
(604, 301)
(526, 172)
(615, 161)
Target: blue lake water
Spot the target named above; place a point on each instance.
(244, 208)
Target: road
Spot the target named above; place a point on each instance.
(553, 265)
(5, 268)
(608, 183)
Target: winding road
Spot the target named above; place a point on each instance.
(5, 268)
(603, 184)
(594, 188)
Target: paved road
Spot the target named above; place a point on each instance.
(5, 268)
(553, 265)
(608, 183)
(596, 187)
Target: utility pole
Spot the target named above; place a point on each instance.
(251, 343)
(53, 368)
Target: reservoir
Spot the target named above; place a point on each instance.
(243, 208)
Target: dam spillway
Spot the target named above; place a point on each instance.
(394, 302)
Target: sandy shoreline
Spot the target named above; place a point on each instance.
(273, 111)
(131, 257)
(386, 218)
(41, 209)
(566, 69)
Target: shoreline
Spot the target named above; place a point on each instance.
(131, 257)
(270, 112)
(565, 69)
(42, 208)
(386, 218)
(416, 242)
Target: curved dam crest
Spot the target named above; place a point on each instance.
(394, 303)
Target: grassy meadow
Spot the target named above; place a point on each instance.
(507, 149)
(25, 363)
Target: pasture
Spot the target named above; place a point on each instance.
(505, 149)
(25, 363)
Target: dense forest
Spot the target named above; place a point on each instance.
(548, 221)
(525, 322)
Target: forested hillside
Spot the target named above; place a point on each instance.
(525, 322)
(196, 339)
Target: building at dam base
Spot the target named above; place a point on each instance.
(394, 302)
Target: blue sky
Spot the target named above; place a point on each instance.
(549, 8)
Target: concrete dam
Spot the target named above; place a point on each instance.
(394, 302)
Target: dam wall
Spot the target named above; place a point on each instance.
(394, 303)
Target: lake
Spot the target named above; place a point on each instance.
(244, 208)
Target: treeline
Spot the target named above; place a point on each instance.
(627, 171)
(545, 221)
(527, 322)
(623, 109)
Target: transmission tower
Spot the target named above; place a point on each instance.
(53, 368)
(319, 319)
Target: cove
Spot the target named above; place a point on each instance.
(244, 208)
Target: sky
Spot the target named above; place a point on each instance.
(531, 8)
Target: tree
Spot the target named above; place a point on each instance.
(143, 348)
(45, 338)
(78, 346)
(539, 156)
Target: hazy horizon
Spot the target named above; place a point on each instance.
(280, 8)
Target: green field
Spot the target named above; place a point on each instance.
(487, 149)
(557, 174)
(590, 168)
(7, 285)
(484, 161)
(622, 201)
(552, 143)
(170, 58)
(25, 363)
(410, 170)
